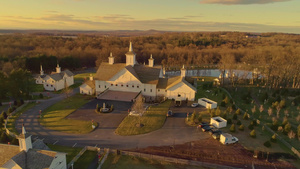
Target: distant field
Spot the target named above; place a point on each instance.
(82, 76)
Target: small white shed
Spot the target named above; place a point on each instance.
(209, 104)
(218, 122)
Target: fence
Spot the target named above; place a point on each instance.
(12, 113)
(170, 159)
(80, 154)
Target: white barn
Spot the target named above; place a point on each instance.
(56, 80)
(149, 80)
(30, 155)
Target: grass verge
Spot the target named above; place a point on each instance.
(84, 161)
(152, 120)
(71, 151)
(54, 116)
(114, 161)
(11, 122)
(81, 77)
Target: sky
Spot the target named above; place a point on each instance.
(165, 15)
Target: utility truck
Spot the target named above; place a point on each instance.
(226, 138)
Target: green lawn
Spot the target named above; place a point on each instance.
(114, 161)
(71, 151)
(84, 161)
(38, 88)
(54, 116)
(152, 120)
(11, 122)
(75, 85)
(82, 76)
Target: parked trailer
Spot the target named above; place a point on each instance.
(226, 138)
(209, 104)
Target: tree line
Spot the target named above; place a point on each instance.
(274, 55)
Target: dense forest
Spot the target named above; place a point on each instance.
(274, 55)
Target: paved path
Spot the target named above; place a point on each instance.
(174, 131)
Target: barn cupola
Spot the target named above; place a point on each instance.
(151, 61)
(24, 140)
(58, 69)
(130, 56)
(41, 71)
(111, 59)
(183, 71)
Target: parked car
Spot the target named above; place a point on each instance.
(170, 113)
(213, 131)
(134, 113)
(206, 128)
(202, 125)
(195, 105)
(216, 135)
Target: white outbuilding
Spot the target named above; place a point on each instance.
(218, 122)
(209, 104)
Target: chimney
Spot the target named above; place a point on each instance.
(58, 70)
(111, 59)
(91, 77)
(151, 61)
(183, 71)
(41, 71)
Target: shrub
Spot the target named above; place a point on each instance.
(245, 117)
(41, 96)
(287, 128)
(238, 112)
(234, 117)
(218, 111)
(267, 144)
(253, 122)
(226, 100)
(0, 103)
(273, 138)
(200, 118)
(229, 121)
(15, 103)
(232, 128)
(3, 138)
(253, 134)
(233, 107)
(112, 107)
(250, 127)
(223, 104)
(282, 104)
(21, 101)
(9, 110)
(239, 122)
(15, 141)
(241, 127)
(4, 115)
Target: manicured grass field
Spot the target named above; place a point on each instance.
(38, 88)
(82, 76)
(152, 120)
(11, 122)
(71, 151)
(114, 161)
(54, 116)
(84, 161)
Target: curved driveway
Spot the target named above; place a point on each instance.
(174, 130)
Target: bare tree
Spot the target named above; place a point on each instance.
(138, 107)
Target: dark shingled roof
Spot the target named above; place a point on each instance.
(39, 158)
(59, 76)
(146, 74)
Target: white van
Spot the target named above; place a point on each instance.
(226, 138)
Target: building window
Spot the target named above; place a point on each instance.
(47, 85)
(165, 90)
(126, 85)
(37, 81)
(99, 86)
(105, 86)
(121, 85)
(132, 85)
(111, 84)
(138, 86)
(51, 85)
(116, 84)
(158, 90)
(144, 90)
(150, 90)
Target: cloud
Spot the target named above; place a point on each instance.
(126, 22)
(240, 2)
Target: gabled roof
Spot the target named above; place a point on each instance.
(90, 83)
(106, 71)
(58, 76)
(167, 83)
(7, 152)
(144, 74)
(39, 158)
